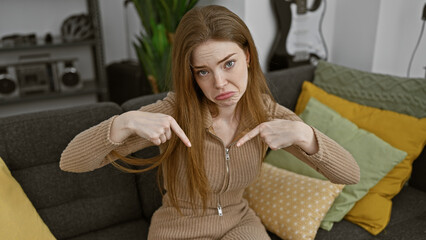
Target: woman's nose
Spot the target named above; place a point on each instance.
(220, 80)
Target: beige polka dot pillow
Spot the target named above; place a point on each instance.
(290, 205)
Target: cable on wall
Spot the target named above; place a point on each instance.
(418, 41)
(320, 30)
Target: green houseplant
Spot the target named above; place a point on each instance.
(159, 19)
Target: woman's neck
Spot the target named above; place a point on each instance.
(225, 124)
(227, 114)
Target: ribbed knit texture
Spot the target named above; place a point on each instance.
(91, 149)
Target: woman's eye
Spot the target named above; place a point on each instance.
(229, 64)
(202, 73)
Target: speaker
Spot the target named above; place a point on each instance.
(68, 77)
(126, 80)
(9, 87)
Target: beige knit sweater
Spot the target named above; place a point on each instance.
(229, 169)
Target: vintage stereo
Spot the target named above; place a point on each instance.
(39, 77)
(68, 77)
(34, 77)
(8, 83)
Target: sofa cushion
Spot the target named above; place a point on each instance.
(17, 212)
(133, 230)
(401, 131)
(404, 95)
(70, 204)
(374, 156)
(399, 94)
(289, 204)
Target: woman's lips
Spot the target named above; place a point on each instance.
(224, 96)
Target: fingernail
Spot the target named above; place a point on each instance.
(189, 144)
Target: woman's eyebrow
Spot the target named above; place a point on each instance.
(224, 59)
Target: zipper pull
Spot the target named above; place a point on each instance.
(219, 210)
(227, 154)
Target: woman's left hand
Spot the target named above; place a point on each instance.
(280, 133)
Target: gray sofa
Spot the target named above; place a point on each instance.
(109, 204)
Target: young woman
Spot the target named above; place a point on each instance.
(213, 131)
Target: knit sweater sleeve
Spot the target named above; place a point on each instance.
(331, 160)
(91, 149)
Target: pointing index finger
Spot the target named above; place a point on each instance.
(253, 133)
(180, 133)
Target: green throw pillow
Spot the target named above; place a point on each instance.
(374, 156)
(398, 94)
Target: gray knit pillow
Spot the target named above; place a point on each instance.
(398, 94)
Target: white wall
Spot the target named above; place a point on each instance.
(113, 30)
(376, 35)
(354, 33)
(114, 16)
(260, 19)
(40, 16)
(328, 26)
(397, 34)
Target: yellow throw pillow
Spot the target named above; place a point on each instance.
(18, 217)
(290, 205)
(402, 131)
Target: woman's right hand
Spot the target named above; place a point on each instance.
(155, 127)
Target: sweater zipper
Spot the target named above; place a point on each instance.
(227, 158)
(226, 183)
(226, 180)
(219, 209)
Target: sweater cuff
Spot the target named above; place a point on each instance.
(319, 155)
(111, 121)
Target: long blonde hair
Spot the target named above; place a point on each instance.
(199, 25)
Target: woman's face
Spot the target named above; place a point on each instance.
(220, 70)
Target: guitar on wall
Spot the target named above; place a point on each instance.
(299, 39)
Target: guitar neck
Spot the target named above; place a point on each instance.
(302, 6)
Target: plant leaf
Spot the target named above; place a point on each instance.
(153, 49)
